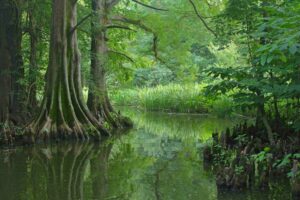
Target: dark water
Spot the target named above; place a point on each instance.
(160, 159)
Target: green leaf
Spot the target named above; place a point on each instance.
(283, 58)
(263, 59)
(267, 149)
(297, 155)
(270, 58)
(293, 49)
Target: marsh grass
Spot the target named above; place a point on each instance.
(188, 98)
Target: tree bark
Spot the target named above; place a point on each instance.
(63, 113)
(98, 100)
(261, 118)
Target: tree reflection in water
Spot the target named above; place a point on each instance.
(54, 172)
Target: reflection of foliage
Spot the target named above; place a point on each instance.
(180, 126)
(127, 169)
(156, 165)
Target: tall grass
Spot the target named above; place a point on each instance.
(176, 98)
(172, 98)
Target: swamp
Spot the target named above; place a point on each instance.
(150, 99)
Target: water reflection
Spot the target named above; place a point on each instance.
(63, 167)
(158, 160)
(47, 172)
(99, 172)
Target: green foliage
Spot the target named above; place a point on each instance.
(182, 42)
(241, 139)
(40, 11)
(221, 157)
(268, 38)
(222, 106)
(239, 170)
(150, 77)
(285, 162)
(262, 157)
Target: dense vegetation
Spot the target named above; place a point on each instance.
(66, 64)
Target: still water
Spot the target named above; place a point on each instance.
(160, 159)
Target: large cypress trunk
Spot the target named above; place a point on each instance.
(98, 100)
(63, 112)
(11, 70)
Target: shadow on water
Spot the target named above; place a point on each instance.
(159, 159)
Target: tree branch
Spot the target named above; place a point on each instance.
(139, 24)
(148, 6)
(112, 3)
(119, 27)
(121, 54)
(209, 5)
(80, 22)
(201, 18)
